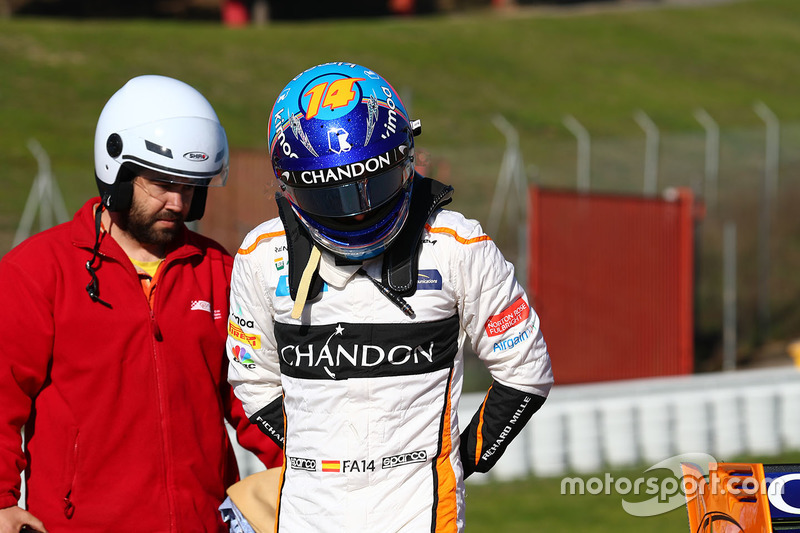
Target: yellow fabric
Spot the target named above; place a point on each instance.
(148, 267)
(305, 281)
(148, 275)
(256, 496)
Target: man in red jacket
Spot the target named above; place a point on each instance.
(113, 330)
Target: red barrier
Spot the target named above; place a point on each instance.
(612, 279)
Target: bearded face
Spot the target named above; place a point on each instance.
(157, 212)
(143, 225)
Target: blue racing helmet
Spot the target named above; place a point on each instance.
(342, 148)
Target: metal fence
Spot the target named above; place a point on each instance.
(747, 179)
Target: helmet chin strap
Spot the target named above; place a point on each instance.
(305, 282)
(93, 288)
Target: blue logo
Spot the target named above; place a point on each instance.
(429, 280)
(783, 492)
(507, 344)
(283, 287)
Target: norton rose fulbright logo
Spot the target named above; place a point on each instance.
(510, 317)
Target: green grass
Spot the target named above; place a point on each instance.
(456, 72)
(536, 504)
(55, 76)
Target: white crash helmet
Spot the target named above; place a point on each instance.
(164, 125)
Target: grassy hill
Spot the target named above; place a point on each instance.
(456, 73)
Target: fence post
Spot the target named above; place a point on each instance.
(511, 184)
(651, 152)
(772, 146)
(44, 197)
(729, 296)
(505, 175)
(711, 174)
(584, 151)
(768, 192)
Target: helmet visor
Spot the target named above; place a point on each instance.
(361, 242)
(193, 149)
(153, 175)
(352, 198)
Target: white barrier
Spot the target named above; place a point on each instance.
(592, 427)
(618, 432)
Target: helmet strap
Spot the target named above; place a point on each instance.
(117, 196)
(93, 264)
(400, 265)
(198, 206)
(305, 281)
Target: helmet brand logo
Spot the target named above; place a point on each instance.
(196, 156)
(337, 140)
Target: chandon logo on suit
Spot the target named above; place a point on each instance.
(344, 350)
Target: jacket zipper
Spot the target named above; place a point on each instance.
(69, 507)
(166, 446)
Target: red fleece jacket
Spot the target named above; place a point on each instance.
(123, 406)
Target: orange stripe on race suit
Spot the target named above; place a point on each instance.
(457, 237)
(449, 231)
(479, 436)
(249, 249)
(446, 507)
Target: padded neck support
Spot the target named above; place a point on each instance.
(400, 266)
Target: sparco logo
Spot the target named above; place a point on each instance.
(298, 463)
(242, 322)
(419, 456)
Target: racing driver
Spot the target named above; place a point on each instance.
(350, 313)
